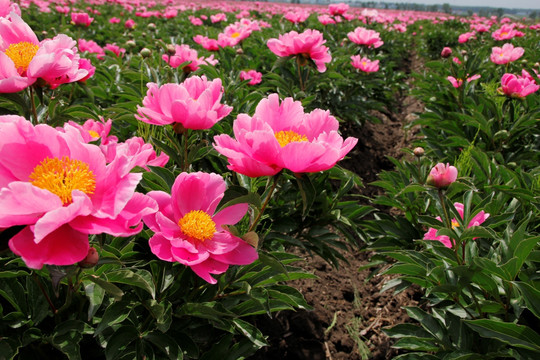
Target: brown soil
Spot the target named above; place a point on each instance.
(349, 311)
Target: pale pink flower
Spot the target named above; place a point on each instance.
(364, 64)
(254, 76)
(477, 220)
(195, 20)
(326, 19)
(458, 82)
(281, 136)
(218, 18)
(188, 230)
(63, 190)
(93, 130)
(23, 59)
(506, 32)
(338, 9)
(506, 54)
(463, 38)
(81, 18)
(517, 86)
(456, 60)
(136, 151)
(115, 49)
(195, 104)
(183, 53)
(441, 175)
(6, 7)
(307, 45)
(296, 16)
(363, 36)
(86, 64)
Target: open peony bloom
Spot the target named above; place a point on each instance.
(183, 53)
(23, 59)
(463, 38)
(363, 36)
(187, 229)
(477, 220)
(62, 189)
(307, 45)
(81, 18)
(6, 7)
(517, 86)
(364, 64)
(195, 104)
(442, 175)
(458, 82)
(281, 136)
(506, 54)
(253, 76)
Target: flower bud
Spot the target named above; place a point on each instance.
(442, 175)
(446, 52)
(463, 52)
(239, 51)
(145, 52)
(418, 151)
(131, 44)
(171, 49)
(151, 26)
(90, 260)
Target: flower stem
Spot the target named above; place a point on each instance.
(448, 224)
(38, 282)
(34, 111)
(266, 201)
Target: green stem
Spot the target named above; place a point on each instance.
(266, 201)
(38, 282)
(33, 104)
(298, 66)
(448, 224)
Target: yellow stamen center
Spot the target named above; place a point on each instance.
(235, 34)
(62, 176)
(21, 54)
(198, 225)
(288, 136)
(504, 33)
(93, 133)
(455, 224)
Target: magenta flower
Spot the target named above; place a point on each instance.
(23, 59)
(506, 32)
(187, 229)
(183, 53)
(254, 76)
(307, 45)
(446, 52)
(363, 36)
(195, 104)
(206, 42)
(218, 18)
(364, 64)
(338, 9)
(63, 189)
(129, 24)
(81, 18)
(477, 220)
(114, 20)
(92, 47)
(297, 16)
(326, 19)
(442, 175)
(458, 82)
(115, 49)
(86, 64)
(463, 38)
(281, 136)
(506, 54)
(517, 86)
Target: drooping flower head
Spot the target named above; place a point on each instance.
(476, 220)
(62, 189)
(517, 86)
(442, 175)
(195, 104)
(364, 64)
(189, 231)
(307, 45)
(505, 54)
(281, 136)
(363, 36)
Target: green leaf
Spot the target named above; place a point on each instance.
(407, 330)
(108, 287)
(95, 295)
(120, 341)
(416, 344)
(238, 195)
(515, 335)
(207, 310)
(37, 303)
(141, 279)
(251, 332)
(114, 314)
(165, 344)
(428, 322)
(531, 296)
(67, 335)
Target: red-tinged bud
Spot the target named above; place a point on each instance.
(418, 151)
(446, 52)
(90, 260)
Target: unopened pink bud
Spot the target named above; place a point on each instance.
(442, 175)
(91, 259)
(446, 52)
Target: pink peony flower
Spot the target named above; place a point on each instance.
(326, 19)
(195, 20)
(517, 86)
(115, 49)
(114, 20)
(86, 64)
(186, 54)
(363, 36)
(129, 24)
(207, 43)
(446, 52)
(23, 59)
(506, 32)
(441, 176)
(338, 9)
(281, 136)
(63, 189)
(364, 64)
(218, 18)
(6, 7)
(476, 221)
(195, 104)
(506, 54)
(92, 47)
(93, 130)
(254, 76)
(188, 230)
(307, 45)
(297, 16)
(81, 18)
(463, 38)
(458, 82)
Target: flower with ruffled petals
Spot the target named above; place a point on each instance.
(364, 64)
(307, 45)
(6, 7)
(458, 82)
(92, 47)
(338, 9)
(61, 189)
(189, 231)
(463, 38)
(441, 175)
(506, 32)
(253, 76)
(81, 19)
(363, 36)
(281, 136)
(115, 49)
(297, 16)
(517, 86)
(478, 219)
(206, 42)
(195, 104)
(506, 54)
(183, 53)
(23, 59)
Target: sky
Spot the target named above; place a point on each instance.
(513, 4)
